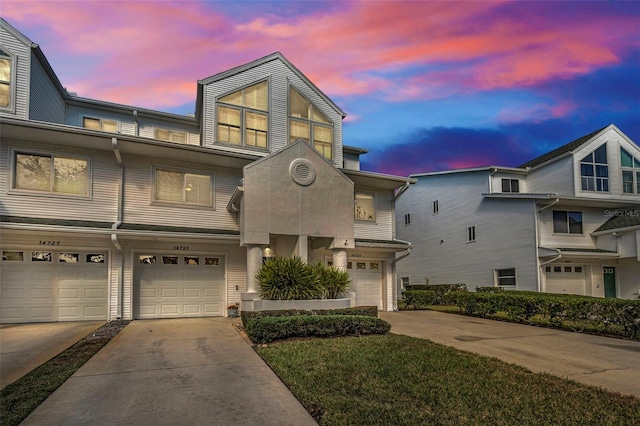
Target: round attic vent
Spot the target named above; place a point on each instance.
(302, 172)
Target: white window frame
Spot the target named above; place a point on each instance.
(497, 277)
(11, 107)
(13, 152)
(311, 122)
(471, 234)
(243, 119)
(172, 133)
(404, 282)
(635, 174)
(597, 181)
(372, 196)
(510, 183)
(102, 122)
(567, 214)
(154, 201)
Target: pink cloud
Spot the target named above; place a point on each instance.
(152, 53)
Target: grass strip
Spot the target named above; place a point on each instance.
(20, 398)
(401, 380)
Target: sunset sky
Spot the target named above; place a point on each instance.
(426, 85)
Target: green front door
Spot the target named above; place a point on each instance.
(609, 274)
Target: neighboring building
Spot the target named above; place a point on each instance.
(566, 222)
(110, 211)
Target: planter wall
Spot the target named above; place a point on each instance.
(274, 305)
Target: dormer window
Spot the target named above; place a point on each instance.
(6, 76)
(630, 173)
(309, 124)
(243, 118)
(594, 171)
(510, 185)
(100, 124)
(171, 135)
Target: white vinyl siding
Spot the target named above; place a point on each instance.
(45, 103)
(138, 207)
(21, 54)
(100, 207)
(279, 77)
(440, 249)
(382, 227)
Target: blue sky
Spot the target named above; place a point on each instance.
(426, 85)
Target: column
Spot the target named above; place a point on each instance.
(340, 259)
(254, 260)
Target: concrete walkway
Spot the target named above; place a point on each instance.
(23, 347)
(601, 361)
(173, 372)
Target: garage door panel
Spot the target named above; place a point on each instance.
(36, 291)
(367, 284)
(192, 287)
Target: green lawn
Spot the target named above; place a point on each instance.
(400, 380)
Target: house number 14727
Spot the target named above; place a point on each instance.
(184, 248)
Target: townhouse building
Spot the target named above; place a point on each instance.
(112, 211)
(565, 222)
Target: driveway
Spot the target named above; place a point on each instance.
(601, 361)
(173, 372)
(23, 347)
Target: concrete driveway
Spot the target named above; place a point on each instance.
(23, 347)
(601, 361)
(173, 372)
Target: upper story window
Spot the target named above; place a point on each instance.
(100, 124)
(51, 173)
(510, 185)
(365, 206)
(407, 219)
(471, 234)
(630, 173)
(594, 171)
(306, 122)
(567, 222)
(243, 117)
(6, 76)
(181, 187)
(436, 206)
(171, 135)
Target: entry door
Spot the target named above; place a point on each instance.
(609, 274)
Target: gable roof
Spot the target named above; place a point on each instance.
(571, 146)
(258, 62)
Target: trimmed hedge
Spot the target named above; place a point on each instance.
(269, 328)
(365, 311)
(422, 295)
(614, 316)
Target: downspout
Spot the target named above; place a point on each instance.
(136, 130)
(546, 206)
(393, 267)
(401, 191)
(492, 172)
(116, 225)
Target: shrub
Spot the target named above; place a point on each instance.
(614, 316)
(439, 290)
(365, 311)
(489, 289)
(419, 298)
(284, 278)
(268, 329)
(288, 278)
(334, 281)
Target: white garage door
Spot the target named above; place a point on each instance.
(366, 282)
(47, 285)
(567, 279)
(178, 285)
